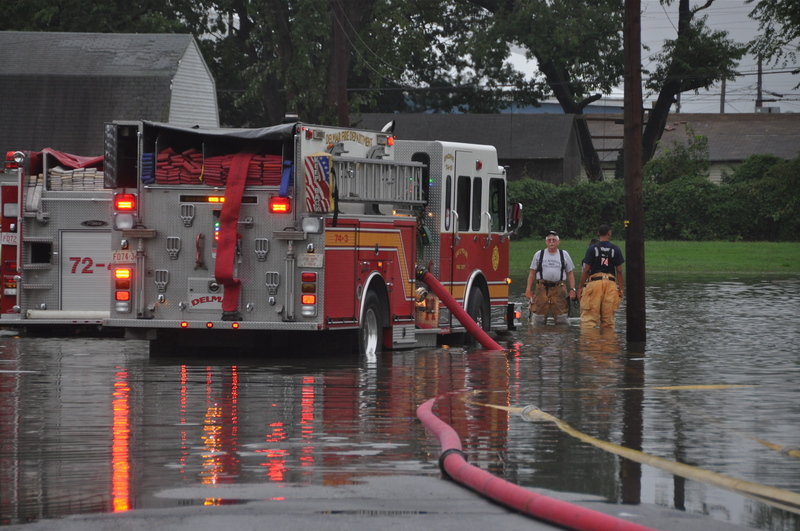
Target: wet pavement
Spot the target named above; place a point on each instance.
(393, 502)
(95, 427)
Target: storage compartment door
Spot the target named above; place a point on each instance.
(85, 258)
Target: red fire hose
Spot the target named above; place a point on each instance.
(454, 465)
(459, 312)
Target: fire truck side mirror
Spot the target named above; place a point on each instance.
(514, 217)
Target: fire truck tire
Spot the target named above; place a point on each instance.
(370, 336)
(478, 309)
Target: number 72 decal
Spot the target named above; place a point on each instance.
(88, 265)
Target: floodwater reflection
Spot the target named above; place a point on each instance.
(91, 425)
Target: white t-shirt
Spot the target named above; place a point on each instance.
(551, 265)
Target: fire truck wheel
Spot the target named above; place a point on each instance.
(371, 332)
(478, 309)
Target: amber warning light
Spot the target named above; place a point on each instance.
(125, 202)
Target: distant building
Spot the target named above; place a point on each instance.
(545, 146)
(732, 138)
(58, 89)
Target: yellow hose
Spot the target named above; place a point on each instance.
(785, 450)
(783, 499)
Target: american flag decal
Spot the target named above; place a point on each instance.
(318, 182)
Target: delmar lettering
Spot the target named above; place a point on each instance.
(203, 300)
(349, 136)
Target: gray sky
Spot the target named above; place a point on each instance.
(660, 22)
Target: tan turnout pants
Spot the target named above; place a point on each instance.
(599, 300)
(550, 299)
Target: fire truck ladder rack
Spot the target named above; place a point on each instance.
(378, 181)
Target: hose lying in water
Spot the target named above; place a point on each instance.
(459, 312)
(558, 512)
(783, 499)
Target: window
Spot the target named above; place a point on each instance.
(497, 204)
(448, 192)
(463, 192)
(477, 198)
(425, 159)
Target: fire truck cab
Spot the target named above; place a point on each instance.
(230, 236)
(56, 240)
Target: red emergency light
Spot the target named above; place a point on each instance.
(280, 205)
(11, 163)
(125, 202)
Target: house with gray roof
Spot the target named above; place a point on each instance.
(543, 147)
(58, 89)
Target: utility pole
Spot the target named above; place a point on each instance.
(722, 98)
(759, 96)
(634, 195)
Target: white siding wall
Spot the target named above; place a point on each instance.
(716, 169)
(194, 93)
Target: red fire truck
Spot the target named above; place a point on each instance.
(248, 236)
(55, 259)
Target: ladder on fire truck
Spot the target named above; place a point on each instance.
(378, 181)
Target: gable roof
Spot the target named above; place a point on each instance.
(90, 54)
(515, 136)
(731, 137)
(59, 89)
(734, 137)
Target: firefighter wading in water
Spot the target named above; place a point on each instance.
(553, 266)
(601, 285)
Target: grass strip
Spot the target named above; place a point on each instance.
(683, 257)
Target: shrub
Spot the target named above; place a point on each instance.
(680, 160)
(761, 201)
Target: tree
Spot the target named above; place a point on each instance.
(681, 159)
(113, 16)
(779, 21)
(577, 45)
(306, 56)
(697, 58)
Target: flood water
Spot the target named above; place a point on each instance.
(96, 425)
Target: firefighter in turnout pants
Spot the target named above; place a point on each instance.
(601, 285)
(552, 266)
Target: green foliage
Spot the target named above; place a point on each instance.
(777, 193)
(691, 158)
(681, 209)
(576, 211)
(752, 169)
(699, 57)
(760, 203)
(111, 16)
(580, 38)
(779, 30)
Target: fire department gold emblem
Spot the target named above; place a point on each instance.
(495, 258)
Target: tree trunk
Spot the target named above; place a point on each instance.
(563, 93)
(657, 119)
